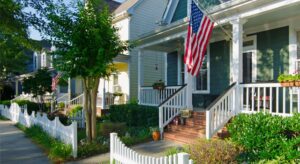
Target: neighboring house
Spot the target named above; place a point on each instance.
(253, 42)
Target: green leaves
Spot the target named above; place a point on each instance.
(267, 137)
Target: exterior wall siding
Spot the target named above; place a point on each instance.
(181, 11)
(219, 73)
(144, 19)
(273, 54)
(172, 68)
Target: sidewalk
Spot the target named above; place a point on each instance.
(15, 148)
(154, 149)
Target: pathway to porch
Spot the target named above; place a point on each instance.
(15, 148)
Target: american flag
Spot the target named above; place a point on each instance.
(199, 31)
(55, 82)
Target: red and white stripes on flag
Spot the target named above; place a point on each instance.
(55, 81)
(199, 32)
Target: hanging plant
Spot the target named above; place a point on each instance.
(159, 85)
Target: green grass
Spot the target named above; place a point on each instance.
(3, 118)
(56, 150)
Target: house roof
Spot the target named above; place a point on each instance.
(113, 5)
(125, 6)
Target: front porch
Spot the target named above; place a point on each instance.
(239, 74)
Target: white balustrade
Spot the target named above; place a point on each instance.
(119, 153)
(76, 101)
(270, 98)
(153, 97)
(67, 134)
(219, 113)
(172, 107)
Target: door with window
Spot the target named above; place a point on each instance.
(249, 60)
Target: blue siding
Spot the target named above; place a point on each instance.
(172, 68)
(181, 11)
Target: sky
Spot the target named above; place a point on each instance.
(34, 34)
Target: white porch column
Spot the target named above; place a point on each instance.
(69, 88)
(103, 95)
(140, 73)
(237, 50)
(17, 87)
(292, 49)
(237, 59)
(188, 78)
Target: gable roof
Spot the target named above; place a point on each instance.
(113, 5)
(125, 6)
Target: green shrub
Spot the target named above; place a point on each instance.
(266, 137)
(58, 151)
(134, 115)
(213, 151)
(75, 110)
(91, 149)
(106, 128)
(61, 105)
(175, 150)
(5, 102)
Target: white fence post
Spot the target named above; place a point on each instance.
(183, 158)
(74, 138)
(112, 146)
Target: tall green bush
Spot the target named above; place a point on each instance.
(267, 137)
(31, 106)
(134, 115)
(5, 102)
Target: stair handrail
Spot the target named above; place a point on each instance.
(75, 100)
(171, 107)
(221, 110)
(62, 97)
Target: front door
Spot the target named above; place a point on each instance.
(247, 67)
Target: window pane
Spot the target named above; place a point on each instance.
(201, 79)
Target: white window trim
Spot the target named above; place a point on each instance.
(195, 91)
(252, 49)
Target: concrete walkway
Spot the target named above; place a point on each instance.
(154, 149)
(15, 148)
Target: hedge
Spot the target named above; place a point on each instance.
(267, 137)
(134, 115)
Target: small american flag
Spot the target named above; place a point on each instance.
(55, 81)
(199, 32)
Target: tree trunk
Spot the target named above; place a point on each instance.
(94, 107)
(87, 110)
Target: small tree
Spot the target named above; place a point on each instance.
(38, 85)
(86, 43)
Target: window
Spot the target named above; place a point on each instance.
(115, 79)
(298, 52)
(202, 77)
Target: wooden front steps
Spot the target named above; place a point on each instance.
(194, 128)
(185, 134)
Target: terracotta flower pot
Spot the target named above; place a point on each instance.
(285, 84)
(297, 83)
(291, 83)
(155, 135)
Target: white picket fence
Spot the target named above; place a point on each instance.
(67, 134)
(119, 153)
(79, 117)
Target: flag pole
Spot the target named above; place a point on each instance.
(210, 17)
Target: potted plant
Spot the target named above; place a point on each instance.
(116, 94)
(184, 114)
(286, 80)
(297, 80)
(155, 133)
(159, 85)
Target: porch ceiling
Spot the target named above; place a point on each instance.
(284, 13)
(168, 46)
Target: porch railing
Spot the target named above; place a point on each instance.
(251, 98)
(171, 107)
(76, 101)
(63, 98)
(220, 111)
(153, 97)
(270, 98)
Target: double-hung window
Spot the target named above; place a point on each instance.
(202, 79)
